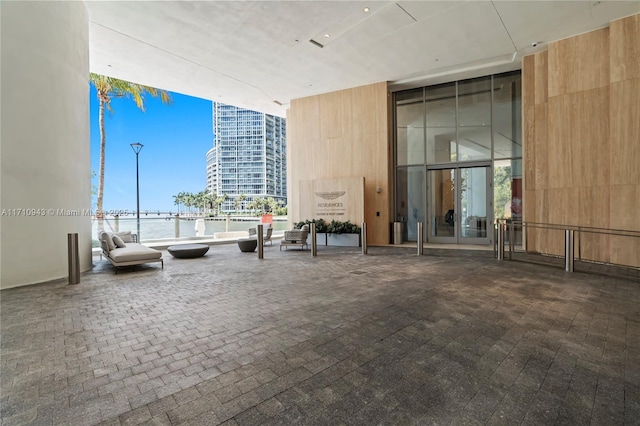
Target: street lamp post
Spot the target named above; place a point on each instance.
(137, 147)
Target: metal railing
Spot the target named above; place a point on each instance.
(578, 243)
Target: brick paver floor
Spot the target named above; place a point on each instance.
(451, 337)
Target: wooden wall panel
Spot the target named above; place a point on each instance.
(625, 199)
(542, 216)
(541, 79)
(625, 132)
(591, 176)
(625, 48)
(334, 110)
(579, 63)
(593, 211)
(592, 207)
(529, 149)
(589, 137)
(530, 215)
(541, 147)
(339, 135)
(528, 80)
(559, 147)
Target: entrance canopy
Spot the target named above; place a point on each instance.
(260, 55)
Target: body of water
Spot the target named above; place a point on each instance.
(161, 227)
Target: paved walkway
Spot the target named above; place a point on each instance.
(452, 337)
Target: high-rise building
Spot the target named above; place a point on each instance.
(248, 156)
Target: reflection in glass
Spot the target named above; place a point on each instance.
(473, 202)
(507, 192)
(410, 187)
(507, 117)
(441, 123)
(474, 102)
(441, 144)
(410, 127)
(442, 201)
(474, 143)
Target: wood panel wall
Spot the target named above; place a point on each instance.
(581, 109)
(339, 135)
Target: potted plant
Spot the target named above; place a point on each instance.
(321, 229)
(343, 234)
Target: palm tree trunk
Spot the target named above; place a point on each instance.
(103, 140)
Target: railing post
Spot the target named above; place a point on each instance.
(500, 240)
(260, 242)
(363, 237)
(568, 249)
(314, 245)
(579, 244)
(512, 236)
(116, 223)
(420, 246)
(176, 229)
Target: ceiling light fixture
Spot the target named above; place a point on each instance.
(366, 9)
(327, 35)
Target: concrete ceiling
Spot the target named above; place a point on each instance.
(258, 54)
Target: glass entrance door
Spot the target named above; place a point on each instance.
(459, 205)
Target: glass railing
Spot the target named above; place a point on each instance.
(154, 228)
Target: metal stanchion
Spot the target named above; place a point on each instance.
(74, 258)
(314, 245)
(420, 241)
(500, 241)
(568, 249)
(363, 237)
(116, 223)
(176, 229)
(260, 242)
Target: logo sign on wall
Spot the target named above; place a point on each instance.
(330, 204)
(340, 199)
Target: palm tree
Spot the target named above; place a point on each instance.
(238, 201)
(108, 88)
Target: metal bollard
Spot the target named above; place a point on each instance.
(314, 242)
(500, 241)
(397, 232)
(74, 258)
(176, 228)
(363, 237)
(568, 249)
(420, 245)
(260, 242)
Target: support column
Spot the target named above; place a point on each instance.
(45, 165)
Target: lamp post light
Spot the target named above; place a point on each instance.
(137, 147)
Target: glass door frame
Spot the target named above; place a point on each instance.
(458, 238)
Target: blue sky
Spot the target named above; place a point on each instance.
(176, 139)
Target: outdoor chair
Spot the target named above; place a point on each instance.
(297, 237)
(266, 236)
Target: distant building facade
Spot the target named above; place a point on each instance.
(248, 156)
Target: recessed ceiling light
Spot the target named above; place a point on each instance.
(366, 9)
(327, 35)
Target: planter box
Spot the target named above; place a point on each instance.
(321, 239)
(345, 240)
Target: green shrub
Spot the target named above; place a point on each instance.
(334, 227)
